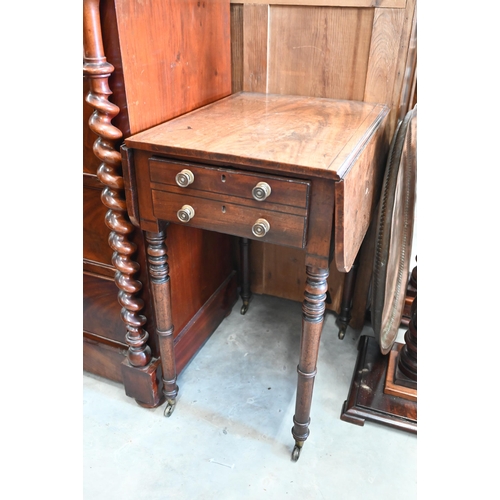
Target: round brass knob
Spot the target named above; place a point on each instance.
(261, 228)
(186, 213)
(261, 191)
(184, 178)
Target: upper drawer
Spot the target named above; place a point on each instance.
(283, 191)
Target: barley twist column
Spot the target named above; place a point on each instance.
(98, 70)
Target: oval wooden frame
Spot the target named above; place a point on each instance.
(394, 235)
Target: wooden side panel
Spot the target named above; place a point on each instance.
(383, 62)
(402, 57)
(319, 51)
(281, 272)
(95, 231)
(236, 48)
(103, 360)
(255, 21)
(356, 197)
(353, 49)
(101, 310)
(180, 69)
(199, 263)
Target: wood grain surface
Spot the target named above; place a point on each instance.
(294, 134)
(319, 51)
(400, 4)
(376, 59)
(166, 76)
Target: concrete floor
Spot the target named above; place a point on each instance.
(229, 436)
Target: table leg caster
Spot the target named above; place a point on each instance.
(169, 409)
(342, 330)
(296, 451)
(244, 307)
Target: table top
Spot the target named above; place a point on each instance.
(293, 134)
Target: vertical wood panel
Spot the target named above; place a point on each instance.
(281, 272)
(319, 51)
(336, 52)
(236, 48)
(284, 277)
(383, 63)
(176, 56)
(255, 48)
(402, 58)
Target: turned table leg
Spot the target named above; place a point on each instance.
(347, 296)
(160, 290)
(313, 312)
(245, 275)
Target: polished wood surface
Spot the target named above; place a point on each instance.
(98, 69)
(360, 49)
(368, 401)
(291, 195)
(202, 169)
(294, 134)
(160, 290)
(176, 56)
(209, 291)
(332, 52)
(313, 312)
(384, 387)
(101, 310)
(300, 136)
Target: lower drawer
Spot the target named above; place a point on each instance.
(229, 218)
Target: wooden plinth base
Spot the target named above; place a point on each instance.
(396, 383)
(367, 399)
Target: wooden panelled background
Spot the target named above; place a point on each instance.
(342, 49)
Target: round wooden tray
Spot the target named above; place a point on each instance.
(393, 240)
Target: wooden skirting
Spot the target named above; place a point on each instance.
(203, 324)
(104, 358)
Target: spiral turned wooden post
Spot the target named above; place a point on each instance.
(98, 70)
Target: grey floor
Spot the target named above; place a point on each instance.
(229, 436)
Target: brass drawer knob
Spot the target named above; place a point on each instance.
(261, 191)
(186, 213)
(261, 228)
(184, 178)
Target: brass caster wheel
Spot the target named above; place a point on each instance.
(296, 453)
(342, 331)
(169, 409)
(244, 308)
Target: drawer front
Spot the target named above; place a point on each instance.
(283, 191)
(232, 218)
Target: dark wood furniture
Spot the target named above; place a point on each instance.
(362, 50)
(144, 63)
(384, 382)
(384, 388)
(301, 172)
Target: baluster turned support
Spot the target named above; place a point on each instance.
(313, 313)
(98, 71)
(160, 290)
(246, 294)
(344, 317)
